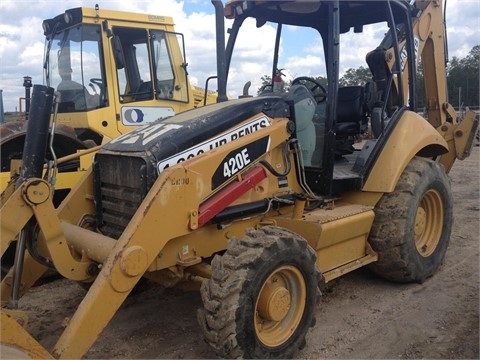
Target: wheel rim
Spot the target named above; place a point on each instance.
(428, 223)
(280, 306)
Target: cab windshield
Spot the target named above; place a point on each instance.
(73, 67)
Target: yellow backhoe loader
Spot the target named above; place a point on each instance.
(260, 199)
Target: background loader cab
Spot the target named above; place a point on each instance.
(113, 71)
(122, 60)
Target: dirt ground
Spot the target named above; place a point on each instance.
(360, 315)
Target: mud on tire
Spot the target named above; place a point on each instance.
(261, 299)
(412, 226)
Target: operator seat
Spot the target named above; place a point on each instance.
(381, 75)
(72, 96)
(304, 107)
(352, 118)
(143, 91)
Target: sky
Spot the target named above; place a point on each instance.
(22, 41)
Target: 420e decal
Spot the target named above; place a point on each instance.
(238, 159)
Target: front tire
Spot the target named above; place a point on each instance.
(261, 299)
(413, 224)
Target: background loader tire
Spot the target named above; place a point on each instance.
(12, 141)
(261, 299)
(412, 226)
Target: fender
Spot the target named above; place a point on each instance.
(412, 136)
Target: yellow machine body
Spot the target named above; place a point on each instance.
(228, 196)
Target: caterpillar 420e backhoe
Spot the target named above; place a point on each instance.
(260, 199)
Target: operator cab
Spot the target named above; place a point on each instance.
(75, 62)
(335, 107)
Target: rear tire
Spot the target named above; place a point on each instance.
(261, 299)
(412, 226)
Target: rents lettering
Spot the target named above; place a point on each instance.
(243, 130)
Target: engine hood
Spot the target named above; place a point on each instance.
(170, 136)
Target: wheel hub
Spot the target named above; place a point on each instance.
(428, 223)
(274, 303)
(420, 221)
(280, 305)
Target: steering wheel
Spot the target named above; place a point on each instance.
(317, 89)
(265, 89)
(101, 88)
(99, 83)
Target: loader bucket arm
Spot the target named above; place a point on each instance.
(17, 343)
(136, 251)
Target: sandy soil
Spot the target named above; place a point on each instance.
(360, 315)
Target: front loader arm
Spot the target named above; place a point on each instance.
(33, 198)
(16, 341)
(130, 258)
(15, 213)
(154, 224)
(18, 215)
